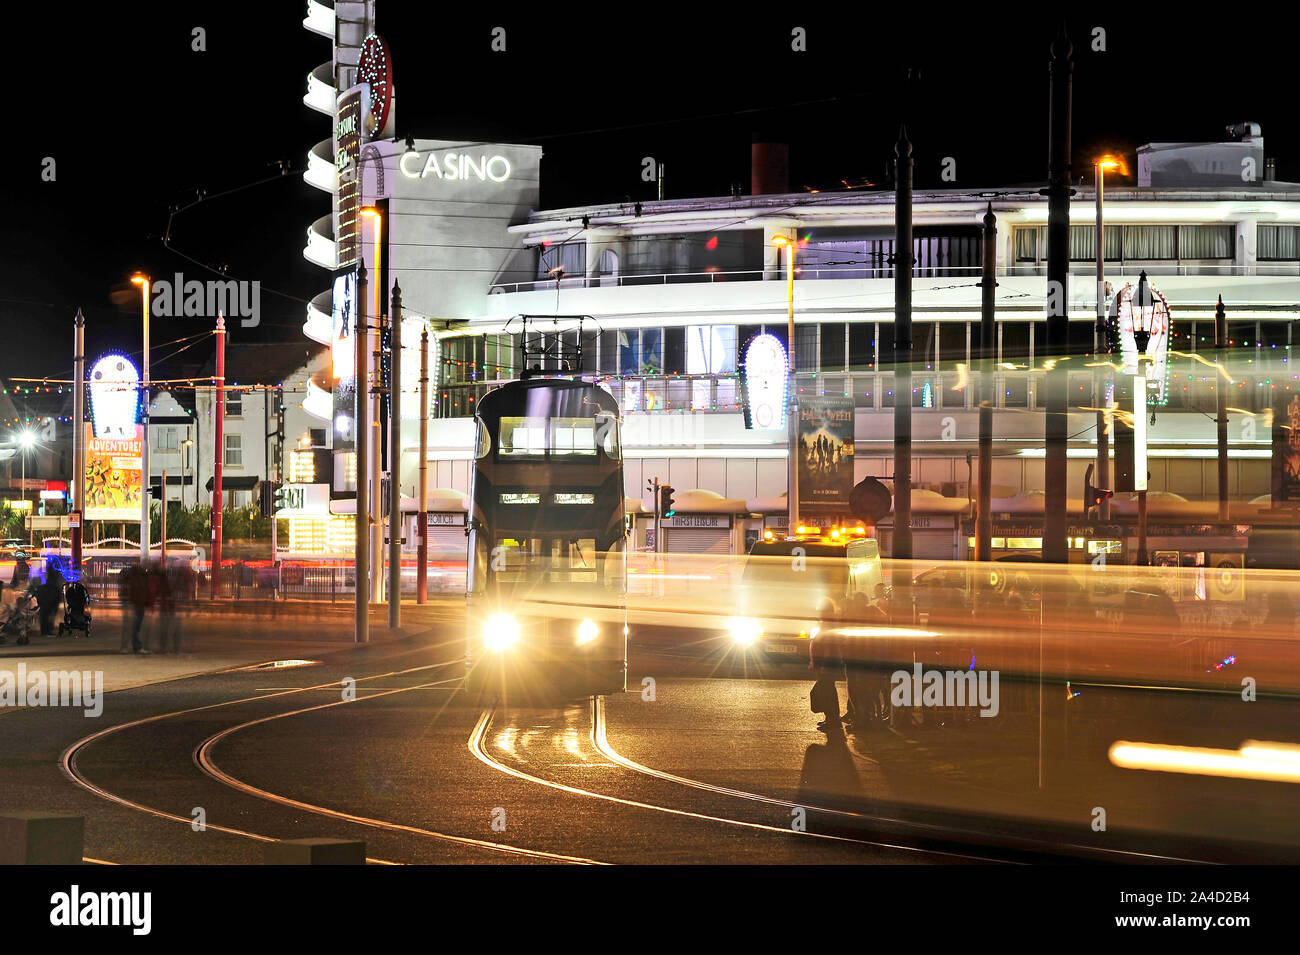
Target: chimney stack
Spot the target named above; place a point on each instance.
(769, 168)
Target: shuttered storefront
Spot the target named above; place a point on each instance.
(697, 540)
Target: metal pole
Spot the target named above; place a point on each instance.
(395, 464)
(361, 426)
(792, 403)
(162, 523)
(903, 349)
(144, 447)
(988, 292)
(1098, 349)
(658, 530)
(1142, 557)
(1221, 404)
(422, 518)
(1058, 322)
(218, 454)
(78, 434)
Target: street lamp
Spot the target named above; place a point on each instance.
(1099, 338)
(792, 409)
(26, 440)
(189, 462)
(144, 283)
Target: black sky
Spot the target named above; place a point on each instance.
(137, 122)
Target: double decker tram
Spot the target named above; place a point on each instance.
(547, 574)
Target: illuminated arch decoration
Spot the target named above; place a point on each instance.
(375, 68)
(767, 379)
(114, 397)
(1123, 344)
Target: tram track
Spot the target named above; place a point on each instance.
(478, 748)
(68, 760)
(600, 740)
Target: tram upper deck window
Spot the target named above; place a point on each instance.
(543, 437)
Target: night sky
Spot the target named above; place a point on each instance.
(137, 122)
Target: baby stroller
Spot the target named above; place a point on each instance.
(75, 614)
(19, 618)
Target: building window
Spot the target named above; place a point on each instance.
(652, 352)
(234, 404)
(710, 349)
(1205, 241)
(1277, 243)
(234, 451)
(167, 439)
(832, 347)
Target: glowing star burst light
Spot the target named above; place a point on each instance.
(114, 397)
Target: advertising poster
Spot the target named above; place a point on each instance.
(114, 485)
(343, 359)
(1286, 451)
(825, 452)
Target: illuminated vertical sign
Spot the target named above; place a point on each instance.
(347, 158)
(766, 382)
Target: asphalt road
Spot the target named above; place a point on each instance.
(717, 759)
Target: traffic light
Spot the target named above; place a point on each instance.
(666, 508)
(1094, 496)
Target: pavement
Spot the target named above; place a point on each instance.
(212, 641)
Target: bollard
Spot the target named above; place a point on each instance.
(316, 851)
(41, 838)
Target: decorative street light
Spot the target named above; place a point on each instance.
(26, 440)
(1099, 338)
(792, 414)
(144, 283)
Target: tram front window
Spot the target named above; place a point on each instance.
(547, 437)
(555, 560)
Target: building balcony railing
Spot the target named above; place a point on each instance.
(1113, 270)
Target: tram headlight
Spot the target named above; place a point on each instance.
(587, 632)
(745, 631)
(500, 632)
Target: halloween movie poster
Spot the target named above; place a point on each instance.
(825, 453)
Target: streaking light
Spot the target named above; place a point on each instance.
(1276, 762)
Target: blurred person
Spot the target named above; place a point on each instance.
(1281, 612)
(826, 660)
(49, 595)
(165, 604)
(22, 573)
(138, 597)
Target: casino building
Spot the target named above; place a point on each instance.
(663, 297)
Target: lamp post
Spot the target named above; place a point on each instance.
(26, 441)
(1099, 341)
(189, 466)
(144, 282)
(792, 400)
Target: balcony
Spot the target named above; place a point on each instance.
(321, 248)
(320, 18)
(320, 94)
(319, 326)
(321, 172)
